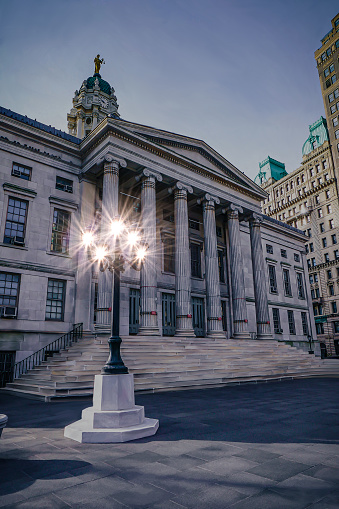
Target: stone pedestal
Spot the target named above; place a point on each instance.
(114, 417)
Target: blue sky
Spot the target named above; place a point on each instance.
(238, 74)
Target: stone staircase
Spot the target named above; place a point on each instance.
(167, 363)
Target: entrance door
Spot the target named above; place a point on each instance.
(168, 314)
(134, 311)
(198, 316)
(7, 361)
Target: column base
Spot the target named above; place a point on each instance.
(265, 336)
(241, 335)
(216, 335)
(184, 333)
(100, 328)
(113, 418)
(149, 331)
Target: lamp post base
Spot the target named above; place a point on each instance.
(114, 417)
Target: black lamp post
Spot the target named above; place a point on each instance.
(115, 365)
(309, 337)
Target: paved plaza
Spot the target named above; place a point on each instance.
(265, 446)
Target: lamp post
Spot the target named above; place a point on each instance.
(114, 416)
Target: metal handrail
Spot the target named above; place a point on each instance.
(20, 368)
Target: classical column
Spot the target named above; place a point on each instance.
(110, 210)
(237, 275)
(148, 276)
(214, 315)
(83, 302)
(259, 279)
(183, 303)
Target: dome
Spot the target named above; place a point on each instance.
(104, 85)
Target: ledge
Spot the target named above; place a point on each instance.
(9, 187)
(64, 203)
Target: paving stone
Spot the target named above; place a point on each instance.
(93, 490)
(226, 466)
(279, 469)
(182, 462)
(216, 497)
(323, 472)
(247, 483)
(304, 489)
(257, 455)
(48, 501)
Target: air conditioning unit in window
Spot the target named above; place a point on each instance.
(8, 311)
(16, 172)
(18, 241)
(69, 189)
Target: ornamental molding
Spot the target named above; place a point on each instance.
(112, 158)
(36, 268)
(208, 199)
(12, 188)
(69, 204)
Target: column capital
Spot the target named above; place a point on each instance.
(208, 198)
(148, 173)
(181, 187)
(255, 219)
(232, 211)
(113, 160)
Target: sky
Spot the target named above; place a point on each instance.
(239, 74)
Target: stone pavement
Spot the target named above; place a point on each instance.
(266, 446)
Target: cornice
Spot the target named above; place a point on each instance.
(36, 267)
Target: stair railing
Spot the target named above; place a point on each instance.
(20, 368)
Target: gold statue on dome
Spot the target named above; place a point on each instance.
(98, 61)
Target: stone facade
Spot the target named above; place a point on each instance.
(207, 268)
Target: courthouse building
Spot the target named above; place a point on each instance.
(216, 267)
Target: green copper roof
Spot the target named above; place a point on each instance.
(270, 168)
(104, 86)
(318, 135)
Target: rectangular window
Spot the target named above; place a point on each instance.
(331, 224)
(64, 184)
(291, 323)
(335, 121)
(331, 97)
(331, 290)
(221, 266)
(316, 278)
(273, 279)
(219, 231)
(304, 323)
(329, 209)
(283, 253)
(313, 262)
(324, 241)
(287, 283)
(269, 249)
(16, 221)
(300, 285)
(317, 199)
(313, 293)
(319, 328)
(311, 246)
(296, 257)
(22, 172)
(327, 194)
(195, 260)
(311, 279)
(336, 254)
(320, 212)
(169, 255)
(60, 231)
(329, 274)
(333, 109)
(309, 232)
(9, 293)
(334, 238)
(336, 327)
(55, 299)
(276, 321)
(334, 307)
(326, 257)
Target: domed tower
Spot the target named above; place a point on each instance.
(92, 103)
